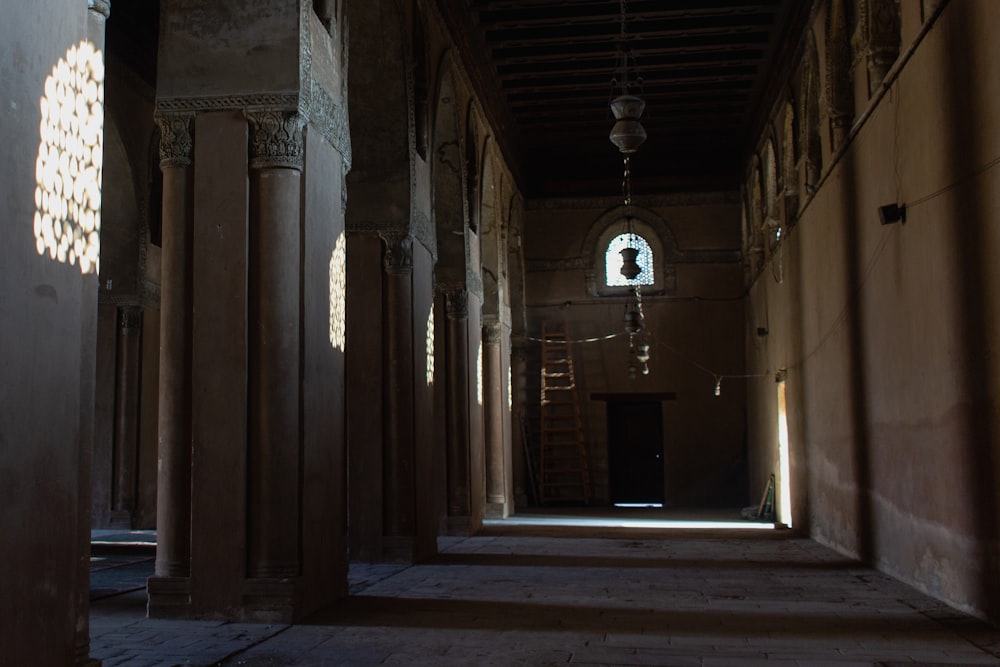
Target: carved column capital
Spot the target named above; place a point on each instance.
(102, 7)
(176, 141)
(130, 317)
(492, 332)
(457, 303)
(275, 138)
(398, 257)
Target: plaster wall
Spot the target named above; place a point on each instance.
(886, 331)
(47, 362)
(256, 45)
(694, 333)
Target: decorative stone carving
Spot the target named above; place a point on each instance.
(130, 317)
(423, 231)
(456, 304)
(839, 92)
(329, 118)
(492, 332)
(398, 257)
(228, 102)
(881, 30)
(176, 141)
(102, 7)
(275, 139)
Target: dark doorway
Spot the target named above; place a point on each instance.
(635, 452)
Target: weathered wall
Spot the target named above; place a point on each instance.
(886, 331)
(694, 331)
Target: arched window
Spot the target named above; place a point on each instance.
(613, 261)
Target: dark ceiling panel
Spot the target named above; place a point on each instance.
(554, 65)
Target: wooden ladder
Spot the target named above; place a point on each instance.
(563, 473)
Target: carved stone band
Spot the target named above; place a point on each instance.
(275, 138)
(176, 141)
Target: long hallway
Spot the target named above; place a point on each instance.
(631, 596)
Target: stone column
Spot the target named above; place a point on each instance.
(494, 411)
(457, 409)
(126, 438)
(173, 493)
(274, 266)
(398, 456)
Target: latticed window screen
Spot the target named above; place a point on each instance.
(613, 261)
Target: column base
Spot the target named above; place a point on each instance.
(496, 510)
(169, 597)
(397, 549)
(459, 526)
(269, 600)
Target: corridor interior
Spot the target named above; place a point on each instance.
(560, 587)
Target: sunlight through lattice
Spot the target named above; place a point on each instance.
(67, 220)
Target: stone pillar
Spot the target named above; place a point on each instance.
(457, 409)
(274, 266)
(126, 438)
(173, 495)
(494, 413)
(398, 519)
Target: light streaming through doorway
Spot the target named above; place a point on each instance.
(67, 221)
(784, 472)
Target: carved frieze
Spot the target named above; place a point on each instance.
(176, 141)
(881, 30)
(275, 138)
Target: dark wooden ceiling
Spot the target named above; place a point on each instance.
(705, 65)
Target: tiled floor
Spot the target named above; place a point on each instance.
(633, 597)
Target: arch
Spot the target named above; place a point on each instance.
(646, 224)
(789, 168)
(420, 87)
(809, 143)
(446, 182)
(490, 234)
(839, 91)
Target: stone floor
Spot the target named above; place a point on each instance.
(533, 595)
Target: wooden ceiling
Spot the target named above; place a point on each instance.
(706, 68)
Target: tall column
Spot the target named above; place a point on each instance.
(457, 409)
(275, 262)
(173, 493)
(126, 438)
(399, 524)
(494, 413)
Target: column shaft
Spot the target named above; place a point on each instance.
(494, 412)
(126, 438)
(274, 373)
(173, 494)
(398, 463)
(457, 410)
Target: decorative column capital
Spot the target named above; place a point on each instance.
(102, 7)
(176, 141)
(275, 138)
(457, 303)
(492, 332)
(130, 317)
(398, 257)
